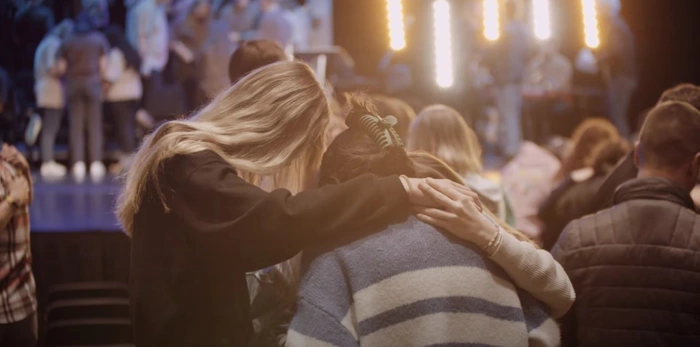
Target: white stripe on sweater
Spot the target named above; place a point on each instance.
(444, 328)
(350, 322)
(409, 287)
(295, 338)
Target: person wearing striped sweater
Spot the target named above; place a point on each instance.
(411, 284)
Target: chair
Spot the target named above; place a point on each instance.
(85, 290)
(98, 308)
(89, 332)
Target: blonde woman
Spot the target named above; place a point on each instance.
(441, 131)
(199, 221)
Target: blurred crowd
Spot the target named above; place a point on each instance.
(280, 213)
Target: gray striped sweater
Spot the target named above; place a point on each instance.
(411, 285)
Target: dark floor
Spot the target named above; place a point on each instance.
(69, 206)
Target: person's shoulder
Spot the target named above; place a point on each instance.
(182, 168)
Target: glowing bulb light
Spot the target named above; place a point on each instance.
(541, 19)
(397, 33)
(491, 20)
(444, 71)
(590, 23)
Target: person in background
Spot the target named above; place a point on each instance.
(527, 181)
(124, 92)
(398, 108)
(436, 290)
(441, 131)
(254, 54)
(50, 96)
(321, 33)
(636, 266)
(275, 25)
(7, 107)
(18, 317)
(241, 17)
(586, 137)
(147, 30)
(85, 55)
(549, 71)
(215, 58)
(575, 199)
(618, 63)
(508, 59)
(626, 170)
(189, 35)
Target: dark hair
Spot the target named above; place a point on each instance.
(116, 38)
(404, 113)
(607, 155)
(252, 55)
(354, 152)
(586, 137)
(669, 137)
(685, 92)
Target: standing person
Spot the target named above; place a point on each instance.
(508, 58)
(441, 131)
(321, 34)
(619, 64)
(240, 17)
(147, 30)
(123, 96)
(275, 25)
(198, 221)
(50, 96)
(18, 318)
(636, 266)
(189, 35)
(254, 54)
(85, 53)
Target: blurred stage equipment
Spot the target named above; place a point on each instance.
(397, 32)
(444, 70)
(590, 23)
(541, 19)
(491, 20)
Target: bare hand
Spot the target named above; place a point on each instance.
(11, 155)
(460, 212)
(18, 188)
(418, 197)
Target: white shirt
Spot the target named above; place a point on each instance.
(147, 30)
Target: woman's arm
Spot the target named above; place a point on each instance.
(235, 219)
(531, 269)
(536, 271)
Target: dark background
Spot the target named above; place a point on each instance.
(667, 36)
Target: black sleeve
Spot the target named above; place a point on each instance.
(235, 219)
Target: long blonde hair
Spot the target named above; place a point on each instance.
(441, 131)
(269, 126)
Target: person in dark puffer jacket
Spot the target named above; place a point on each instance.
(636, 266)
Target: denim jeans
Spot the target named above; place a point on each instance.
(620, 90)
(509, 102)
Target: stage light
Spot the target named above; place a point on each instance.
(397, 34)
(541, 19)
(444, 74)
(590, 23)
(491, 20)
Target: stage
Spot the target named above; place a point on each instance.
(75, 235)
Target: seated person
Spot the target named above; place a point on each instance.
(412, 284)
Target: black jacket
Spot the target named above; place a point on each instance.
(623, 172)
(188, 266)
(569, 201)
(636, 270)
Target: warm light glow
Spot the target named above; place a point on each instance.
(541, 19)
(491, 20)
(590, 23)
(444, 74)
(397, 34)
